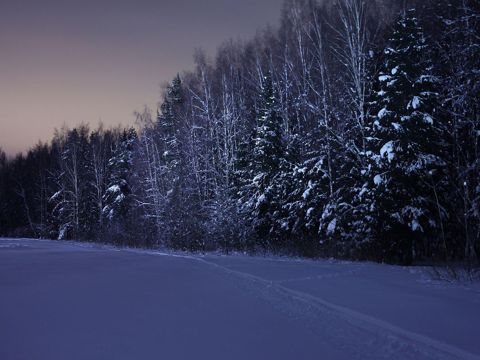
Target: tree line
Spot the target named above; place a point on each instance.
(351, 130)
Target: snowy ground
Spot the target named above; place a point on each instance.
(62, 300)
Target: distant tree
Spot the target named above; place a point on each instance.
(173, 171)
(305, 138)
(3, 189)
(70, 200)
(100, 151)
(118, 200)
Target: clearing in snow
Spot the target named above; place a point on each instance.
(65, 300)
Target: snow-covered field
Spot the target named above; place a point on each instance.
(61, 300)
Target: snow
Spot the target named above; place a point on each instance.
(309, 212)
(388, 149)
(428, 119)
(114, 189)
(415, 103)
(56, 195)
(392, 83)
(427, 79)
(377, 180)
(331, 227)
(384, 78)
(261, 199)
(308, 190)
(62, 232)
(382, 113)
(415, 226)
(397, 126)
(65, 300)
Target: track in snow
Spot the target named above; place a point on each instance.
(68, 300)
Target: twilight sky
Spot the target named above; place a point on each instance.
(64, 61)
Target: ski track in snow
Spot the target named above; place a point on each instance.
(392, 336)
(419, 344)
(361, 335)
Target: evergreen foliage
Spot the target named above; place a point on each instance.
(306, 140)
(406, 145)
(118, 198)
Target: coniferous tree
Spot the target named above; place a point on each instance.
(181, 204)
(315, 164)
(267, 158)
(307, 195)
(118, 201)
(406, 140)
(268, 150)
(170, 127)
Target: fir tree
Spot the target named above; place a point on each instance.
(268, 154)
(118, 196)
(405, 145)
(306, 196)
(169, 124)
(268, 151)
(243, 170)
(181, 202)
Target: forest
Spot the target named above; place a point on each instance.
(349, 130)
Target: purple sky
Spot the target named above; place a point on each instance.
(79, 61)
